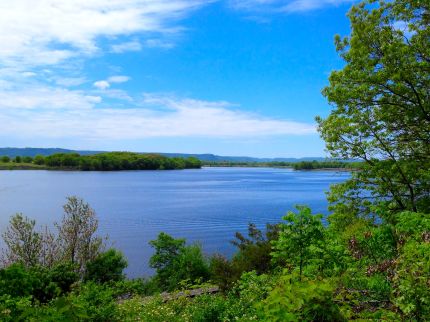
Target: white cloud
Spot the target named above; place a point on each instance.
(105, 84)
(74, 115)
(284, 5)
(118, 79)
(158, 43)
(102, 84)
(126, 46)
(117, 94)
(70, 81)
(306, 5)
(135, 45)
(36, 33)
(50, 31)
(43, 97)
(28, 74)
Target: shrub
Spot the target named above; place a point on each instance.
(305, 300)
(176, 262)
(106, 267)
(16, 281)
(39, 159)
(254, 254)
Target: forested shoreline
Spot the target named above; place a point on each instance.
(109, 161)
(118, 161)
(299, 165)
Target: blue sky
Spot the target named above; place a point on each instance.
(231, 77)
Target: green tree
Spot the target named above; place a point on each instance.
(39, 159)
(300, 240)
(381, 111)
(254, 254)
(23, 242)
(50, 283)
(27, 159)
(306, 300)
(412, 267)
(16, 281)
(254, 250)
(175, 262)
(77, 233)
(5, 159)
(18, 159)
(107, 266)
(167, 250)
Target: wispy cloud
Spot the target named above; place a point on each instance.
(50, 31)
(118, 79)
(70, 81)
(44, 46)
(286, 6)
(73, 114)
(106, 83)
(101, 84)
(136, 45)
(123, 47)
(159, 43)
(40, 98)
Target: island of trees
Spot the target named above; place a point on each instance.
(369, 261)
(109, 161)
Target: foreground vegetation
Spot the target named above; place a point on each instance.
(370, 261)
(110, 161)
(297, 270)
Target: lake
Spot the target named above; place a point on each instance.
(206, 205)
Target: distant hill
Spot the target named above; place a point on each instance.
(31, 152)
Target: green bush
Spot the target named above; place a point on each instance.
(301, 240)
(412, 276)
(176, 262)
(27, 159)
(254, 254)
(106, 267)
(40, 283)
(305, 300)
(39, 159)
(13, 308)
(53, 282)
(16, 281)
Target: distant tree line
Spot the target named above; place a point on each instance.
(111, 161)
(311, 165)
(302, 165)
(17, 159)
(253, 164)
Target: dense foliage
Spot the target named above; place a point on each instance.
(381, 110)
(369, 262)
(109, 161)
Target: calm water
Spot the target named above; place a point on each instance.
(207, 205)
